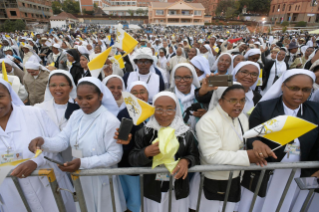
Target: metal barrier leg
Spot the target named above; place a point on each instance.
(227, 190)
(49, 173)
(170, 193)
(79, 192)
(291, 177)
(24, 200)
(142, 191)
(112, 193)
(261, 177)
(305, 204)
(200, 191)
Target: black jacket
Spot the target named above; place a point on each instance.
(77, 72)
(266, 71)
(187, 150)
(309, 142)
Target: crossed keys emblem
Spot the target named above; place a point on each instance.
(118, 34)
(264, 128)
(132, 107)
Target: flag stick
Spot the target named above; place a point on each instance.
(276, 148)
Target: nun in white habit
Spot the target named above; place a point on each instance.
(186, 96)
(284, 99)
(92, 146)
(223, 63)
(116, 89)
(201, 66)
(20, 124)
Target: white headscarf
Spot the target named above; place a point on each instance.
(275, 90)
(35, 66)
(242, 64)
(48, 96)
(191, 68)
(177, 124)
(15, 98)
(217, 94)
(106, 79)
(252, 52)
(230, 69)
(201, 63)
(108, 100)
(208, 49)
(130, 87)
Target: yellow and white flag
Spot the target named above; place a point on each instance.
(4, 72)
(96, 65)
(124, 41)
(138, 109)
(118, 61)
(5, 168)
(260, 78)
(32, 35)
(8, 36)
(281, 129)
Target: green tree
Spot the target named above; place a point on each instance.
(284, 29)
(71, 6)
(56, 7)
(19, 25)
(301, 24)
(231, 12)
(139, 11)
(11, 26)
(259, 6)
(285, 23)
(223, 6)
(131, 12)
(95, 6)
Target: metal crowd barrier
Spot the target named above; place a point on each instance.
(142, 171)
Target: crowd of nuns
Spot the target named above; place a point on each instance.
(54, 104)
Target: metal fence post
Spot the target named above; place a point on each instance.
(284, 193)
(227, 190)
(170, 193)
(305, 204)
(24, 200)
(79, 192)
(112, 193)
(49, 173)
(261, 177)
(200, 191)
(142, 191)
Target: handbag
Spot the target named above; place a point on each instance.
(216, 189)
(250, 180)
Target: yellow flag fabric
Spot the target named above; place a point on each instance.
(281, 129)
(14, 163)
(168, 146)
(37, 153)
(260, 78)
(119, 58)
(250, 111)
(109, 37)
(32, 35)
(96, 65)
(138, 109)
(52, 64)
(70, 26)
(22, 43)
(124, 41)
(4, 72)
(25, 34)
(7, 36)
(5, 168)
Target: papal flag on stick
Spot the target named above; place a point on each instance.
(117, 60)
(281, 129)
(138, 109)
(124, 41)
(96, 65)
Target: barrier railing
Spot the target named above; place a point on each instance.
(142, 171)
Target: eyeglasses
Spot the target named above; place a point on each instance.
(146, 62)
(142, 92)
(246, 74)
(186, 78)
(167, 111)
(62, 85)
(296, 89)
(236, 101)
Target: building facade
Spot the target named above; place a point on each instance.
(294, 11)
(28, 10)
(210, 5)
(177, 14)
(63, 20)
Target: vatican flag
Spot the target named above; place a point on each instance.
(260, 78)
(281, 129)
(37, 153)
(8, 36)
(138, 109)
(96, 65)
(117, 60)
(5, 168)
(32, 35)
(124, 41)
(4, 72)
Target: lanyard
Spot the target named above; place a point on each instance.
(239, 135)
(147, 79)
(7, 145)
(79, 132)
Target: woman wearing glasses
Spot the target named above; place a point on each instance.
(156, 195)
(220, 141)
(183, 85)
(288, 96)
(146, 73)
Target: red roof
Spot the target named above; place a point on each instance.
(63, 16)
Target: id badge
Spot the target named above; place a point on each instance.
(162, 177)
(77, 153)
(292, 149)
(7, 158)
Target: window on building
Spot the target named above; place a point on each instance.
(32, 15)
(273, 8)
(172, 12)
(289, 8)
(314, 3)
(23, 4)
(278, 8)
(159, 12)
(26, 14)
(13, 13)
(309, 19)
(197, 12)
(298, 7)
(283, 7)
